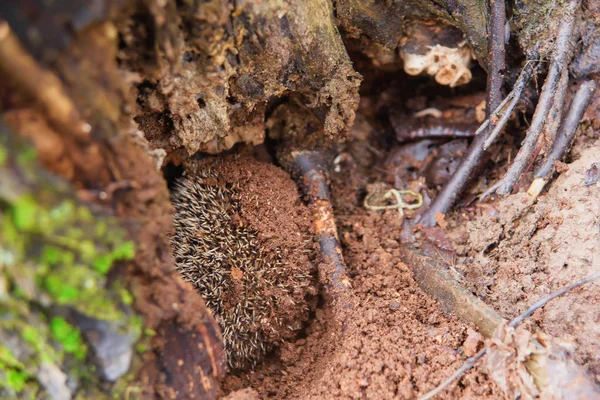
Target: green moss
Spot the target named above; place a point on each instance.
(39, 343)
(24, 213)
(69, 337)
(7, 359)
(16, 379)
(3, 155)
(149, 332)
(53, 252)
(126, 297)
(76, 256)
(26, 156)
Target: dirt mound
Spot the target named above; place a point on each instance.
(521, 252)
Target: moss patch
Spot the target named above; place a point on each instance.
(55, 255)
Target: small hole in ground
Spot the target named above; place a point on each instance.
(201, 102)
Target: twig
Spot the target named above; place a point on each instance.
(310, 170)
(564, 138)
(542, 302)
(558, 64)
(520, 86)
(497, 63)
(469, 363)
(447, 197)
(434, 279)
(556, 112)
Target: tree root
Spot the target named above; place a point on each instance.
(456, 300)
(564, 138)
(435, 280)
(310, 170)
(559, 63)
(449, 194)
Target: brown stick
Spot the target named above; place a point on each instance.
(564, 138)
(558, 64)
(470, 363)
(310, 170)
(496, 65)
(19, 67)
(433, 278)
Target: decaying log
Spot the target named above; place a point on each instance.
(125, 182)
(210, 83)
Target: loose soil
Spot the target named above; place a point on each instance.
(397, 343)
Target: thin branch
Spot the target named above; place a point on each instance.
(559, 63)
(564, 138)
(542, 302)
(555, 117)
(497, 63)
(447, 197)
(310, 169)
(470, 363)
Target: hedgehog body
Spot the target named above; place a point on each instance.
(257, 296)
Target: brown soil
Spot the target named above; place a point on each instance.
(398, 343)
(525, 251)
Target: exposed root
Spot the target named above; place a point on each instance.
(434, 279)
(310, 171)
(559, 63)
(469, 363)
(447, 197)
(564, 138)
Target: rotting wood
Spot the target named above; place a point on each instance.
(92, 84)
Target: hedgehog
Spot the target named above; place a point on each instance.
(228, 244)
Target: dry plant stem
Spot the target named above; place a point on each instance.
(542, 302)
(447, 197)
(564, 138)
(18, 67)
(559, 63)
(469, 363)
(310, 169)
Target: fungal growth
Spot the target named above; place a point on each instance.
(438, 50)
(242, 238)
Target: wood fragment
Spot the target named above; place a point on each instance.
(433, 278)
